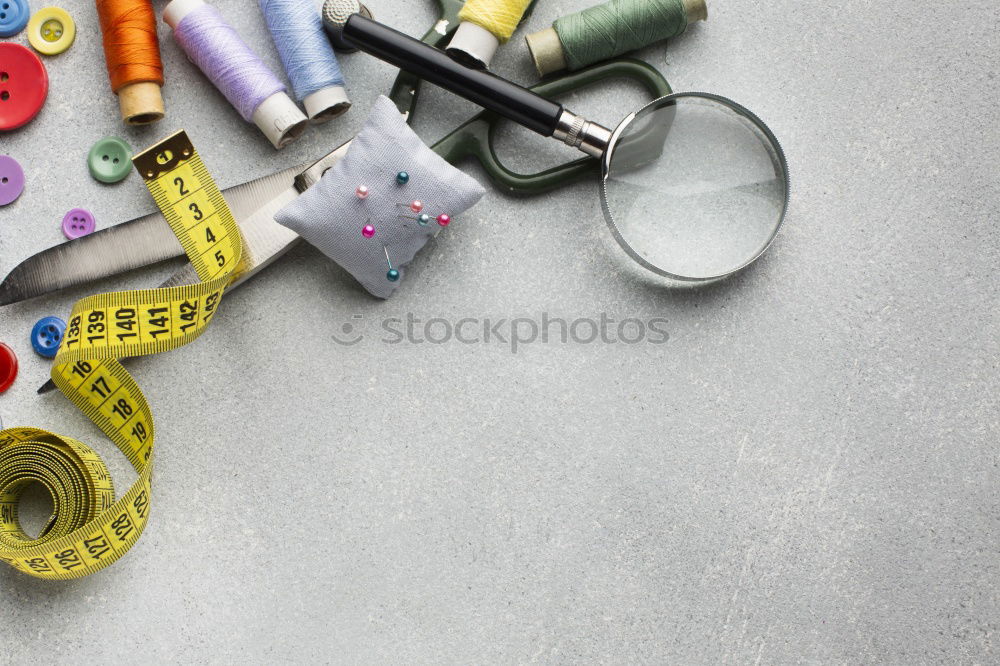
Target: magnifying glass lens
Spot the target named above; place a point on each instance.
(696, 187)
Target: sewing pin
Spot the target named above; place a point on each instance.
(416, 205)
(393, 274)
(424, 219)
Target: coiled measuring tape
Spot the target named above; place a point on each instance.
(88, 529)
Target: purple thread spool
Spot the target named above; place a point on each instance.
(218, 50)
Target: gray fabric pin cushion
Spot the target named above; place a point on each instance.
(331, 216)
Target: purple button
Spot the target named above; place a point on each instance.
(11, 180)
(78, 222)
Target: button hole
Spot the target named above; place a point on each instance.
(4, 76)
(3, 180)
(115, 161)
(4, 96)
(106, 158)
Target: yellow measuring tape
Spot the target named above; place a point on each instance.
(88, 529)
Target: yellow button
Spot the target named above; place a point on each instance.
(51, 30)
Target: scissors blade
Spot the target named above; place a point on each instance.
(140, 242)
(264, 240)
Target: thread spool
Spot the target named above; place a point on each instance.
(309, 60)
(485, 25)
(132, 53)
(239, 73)
(610, 30)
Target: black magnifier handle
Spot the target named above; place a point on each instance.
(488, 90)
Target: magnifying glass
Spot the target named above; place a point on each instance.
(694, 186)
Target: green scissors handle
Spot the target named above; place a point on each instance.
(476, 137)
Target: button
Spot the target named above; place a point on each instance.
(13, 17)
(8, 367)
(11, 178)
(110, 160)
(78, 222)
(46, 335)
(51, 30)
(24, 83)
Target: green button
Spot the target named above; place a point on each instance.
(110, 160)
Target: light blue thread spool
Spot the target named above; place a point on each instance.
(309, 60)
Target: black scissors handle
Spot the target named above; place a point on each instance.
(476, 138)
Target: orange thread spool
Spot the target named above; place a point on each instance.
(132, 53)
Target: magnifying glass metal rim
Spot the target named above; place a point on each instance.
(606, 173)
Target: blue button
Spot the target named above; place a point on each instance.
(48, 331)
(14, 15)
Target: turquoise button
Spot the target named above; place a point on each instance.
(110, 160)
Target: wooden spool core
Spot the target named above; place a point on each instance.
(141, 103)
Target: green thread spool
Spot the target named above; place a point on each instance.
(610, 30)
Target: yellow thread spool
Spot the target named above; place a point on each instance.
(486, 24)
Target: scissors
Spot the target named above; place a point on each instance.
(148, 240)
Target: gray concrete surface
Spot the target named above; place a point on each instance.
(807, 472)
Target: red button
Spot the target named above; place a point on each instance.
(8, 367)
(24, 84)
